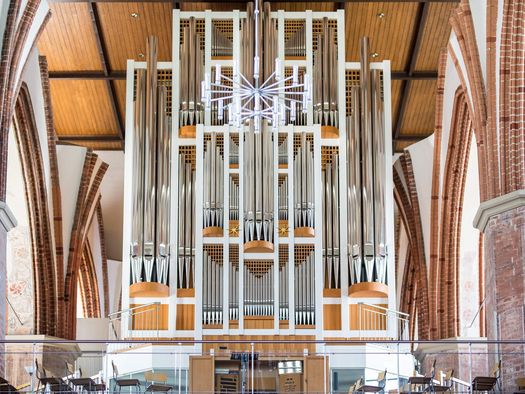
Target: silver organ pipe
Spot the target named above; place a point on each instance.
(221, 45)
(186, 217)
(330, 184)
(283, 198)
(366, 177)
(325, 77)
(283, 291)
(295, 46)
(304, 184)
(258, 182)
(258, 289)
(304, 291)
(191, 75)
(150, 248)
(234, 292)
(213, 184)
(212, 280)
(234, 198)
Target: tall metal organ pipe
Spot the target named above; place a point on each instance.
(213, 185)
(330, 197)
(191, 75)
(258, 190)
(366, 177)
(186, 241)
(325, 77)
(150, 249)
(303, 167)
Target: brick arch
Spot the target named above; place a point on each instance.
(87, 199)
(512, 98)
(39, 217)
(454, 177)
(15, 39)
(414, 287)
(87, 281)
(473, 82)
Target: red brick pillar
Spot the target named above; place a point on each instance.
(502, 220)
(7, 222)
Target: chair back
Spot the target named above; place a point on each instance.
(151, 376)
(115, 370)
(40, 373)
(448, 377)
(381, 379)
(433, 370)
(496, 369)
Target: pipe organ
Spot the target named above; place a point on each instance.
(284, 229)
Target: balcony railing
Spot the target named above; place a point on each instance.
(257, 365)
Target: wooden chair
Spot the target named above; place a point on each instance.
(158, 382)
(437, 388)
(368, 388)
(124, 382)
(55, 384)
(6, 387)
(358, 382)
(420, 384)
(487, 383)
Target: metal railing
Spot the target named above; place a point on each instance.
(142, 321)
(173, 359)
(374, 320)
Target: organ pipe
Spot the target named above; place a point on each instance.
(258, 289)
(303, 168)
(186, 241)
(304, 290)
(258, 182)
(191, 75)
(366, 177)
(213, 184)
(212, 280)
(330, 184)
(150, 248)
(325, 77)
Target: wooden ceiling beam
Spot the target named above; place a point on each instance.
(89, 138)
(88, 75)
(290, 1)
(417, 38)
(121, 75)
(412, 137)
(97, 27)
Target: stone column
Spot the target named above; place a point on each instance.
(502, 220)
(7, 222)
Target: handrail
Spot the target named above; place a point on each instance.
(131, 309)
(406, 315)
(477, 313)
(14, 311)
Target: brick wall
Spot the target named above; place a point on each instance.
(504, 239)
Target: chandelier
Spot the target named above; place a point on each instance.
(245, 100)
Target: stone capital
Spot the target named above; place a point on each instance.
(496, 206)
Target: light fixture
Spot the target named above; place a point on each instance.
(381, 15)
(134, 14)
(141, 55)
(375, 54)
(257, 101)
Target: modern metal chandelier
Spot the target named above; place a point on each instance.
(256, 101)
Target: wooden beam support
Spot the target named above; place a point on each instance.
(417, 38)
(103, 59)
(413, 137)
(89, 138)
(87, 75)
(415, 76)
(290, 1)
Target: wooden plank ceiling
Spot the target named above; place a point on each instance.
(87, 44)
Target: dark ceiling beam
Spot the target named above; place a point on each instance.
(415, 46)
(89, 138)
(95, 19)
(413, 137)
(121, 75)
(96, 75)
(289, 1)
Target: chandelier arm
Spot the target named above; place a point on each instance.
(233, 81)
(279, 82)
(248, 82)
(267, 80)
